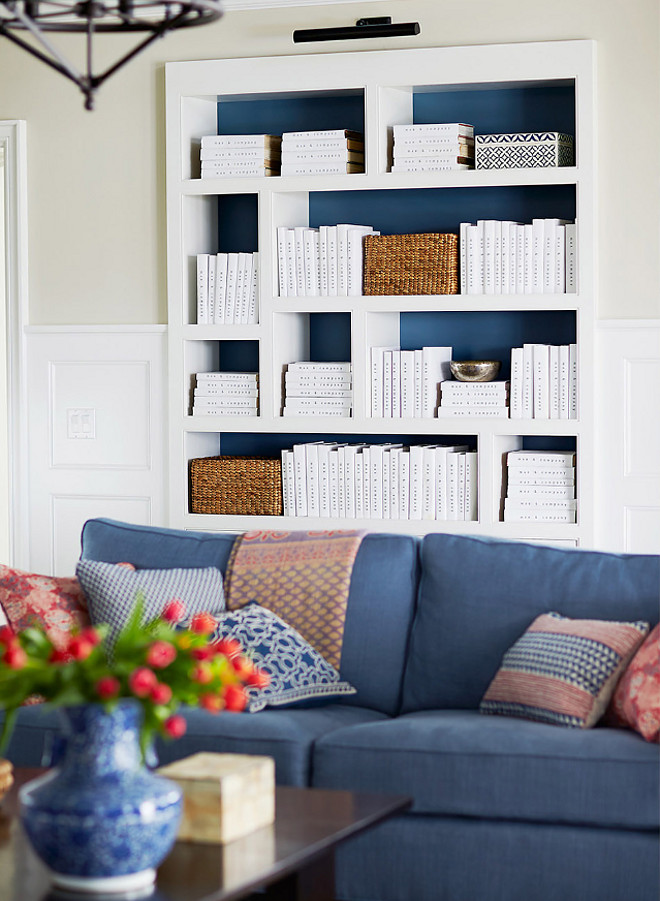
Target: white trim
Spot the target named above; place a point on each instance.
(95, 329)
(628, 323)
(13, 140)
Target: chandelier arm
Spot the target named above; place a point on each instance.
(39, 36)
(63, 70)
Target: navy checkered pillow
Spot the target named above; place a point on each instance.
(111, 591)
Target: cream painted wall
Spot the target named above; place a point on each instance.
(96, 180)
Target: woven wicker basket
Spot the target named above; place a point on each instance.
(411, 264)
(246, 486)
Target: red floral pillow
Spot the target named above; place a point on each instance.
(55, 604)
(636, 700)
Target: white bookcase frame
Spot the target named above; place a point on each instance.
(387, 80)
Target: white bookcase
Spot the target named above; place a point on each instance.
(517, 87)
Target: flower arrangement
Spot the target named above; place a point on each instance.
(158, 663)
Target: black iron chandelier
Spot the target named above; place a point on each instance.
(37, 19)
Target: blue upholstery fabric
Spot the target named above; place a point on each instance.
(478, 595)
(286, 735)
(463, 764)
(422, 858)
(381, 601)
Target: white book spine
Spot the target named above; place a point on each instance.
(202, 288)
(489, 256)
(366, 481)
(404, 484)
(564, 382)
(332, 250)
(473, 261)
(528, 238)
(350, 453)
(291, 274)
(540, 458)
(387, 383)
(253, 314)
(416, 475)
(463, 256)
(538, 232)
(342, 260)
(519, 234)
(311, 263)
(452, 486)
(428, 483)
(299, 250)
(238, 141)
(323, 260)
(232, 279)
(376, 454)
(300, 470)
(312, 461)
(333, 481)
(571, 258)
(407, 384)
(309, 366)
(359, 484)
(282, 261)
(573, 385)
(528, 382)
(244, 310)
(541, 381)
(435, 370)
(553, 363)
(211, 290)
(471, 508)
(541, 494)
(497, 253)
(220, 289)
(341, 481)
(324, 479)
(560, 259)
(286, 503)
(419, 383)
(396, 384)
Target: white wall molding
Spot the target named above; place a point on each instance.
(628, 435)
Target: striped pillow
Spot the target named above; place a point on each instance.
(563, 671)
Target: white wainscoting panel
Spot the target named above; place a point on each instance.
(628, 436)
(97, 434)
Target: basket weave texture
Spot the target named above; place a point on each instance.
(246, 486)
(410, 264)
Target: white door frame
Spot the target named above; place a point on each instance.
(13, 140)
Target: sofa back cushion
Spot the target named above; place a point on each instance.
(478, 595)
(381, 599)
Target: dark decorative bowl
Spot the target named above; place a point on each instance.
(475, 370)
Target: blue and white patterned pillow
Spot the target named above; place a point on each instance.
(297, 672)
(111, 591)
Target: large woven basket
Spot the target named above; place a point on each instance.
(246, 486)
(410, 264)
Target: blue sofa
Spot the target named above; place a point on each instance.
(504, 809)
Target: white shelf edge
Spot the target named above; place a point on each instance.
(424, 303)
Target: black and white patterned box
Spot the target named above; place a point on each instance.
(535, 149)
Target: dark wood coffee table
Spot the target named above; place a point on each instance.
(292, 860)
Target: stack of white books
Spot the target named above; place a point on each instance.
(432, 148)
(226, 394)
(544, 381)
(380, 481)
(540, 487)
(504, 257)
(321, 262)
(474, 399)
(227, 288)
(318, 389)
(405, 384)
(240, 156)
(328, 152)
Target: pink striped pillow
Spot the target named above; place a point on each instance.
(563, 671)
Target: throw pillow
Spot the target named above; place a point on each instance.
(563, 671)
(56, 604)
(112, 589)
(636, 700)
(297, 672)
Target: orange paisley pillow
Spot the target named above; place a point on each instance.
(636, 700)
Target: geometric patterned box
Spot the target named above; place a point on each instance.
(536, 149)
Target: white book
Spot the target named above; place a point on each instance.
(322, 168)
(282, 261)
(539, 515)
(341, 481)
(519, 236)
(299, 251)
(407, 384)
(310, 266)
(321, 368)
(463, 257)
(428, 164)
(435, 369)
(564, 381)
(447, 130)
(237, 154)
(528, 256)
(324, 134)
(539, 480)
(253, 172)
(387, 382)
(428, 482)
(323, 260)
(481, 411)
(312, 404)
(534, 470)
(540, 458)
(227, 390)
(497, 253)
(220, 401)
(245, 263)
(202, 288)
(418, 378)
(253, 315)
(211, 288)
(356, 234)
(359, 483)
(350, 456)
(396, 384)
(319, 381)
(387, 481)
(333, 480)
(454, 496)
(455, 390)
(288, 483)
(571, 267)
(316, 251)
(469, 403)
(342, 258)
(489, 226)
(516, 388)
(320, 145)
(215, 411)
(324, 478)
(572, 382)
(320, 392)
(291, 272)
(553, 364)
(560, 259)
(332, 260)
(376, 454)
(313, 155)
(507, 257)
(528, 382)
(249, 377)
(538, 237)
(404, 483)
(540, 502)
(541, 493)
(235, 164)
(541, 364)
(366, 481)
(470, 506)
(300, 470)
(377, 381)
(232, 284)
(460, 499)
(312, 471)
(416, 476)
(474, 261)
(549, 255)
(220, 313)
(240, 141)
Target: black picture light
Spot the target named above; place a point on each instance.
(380, 27)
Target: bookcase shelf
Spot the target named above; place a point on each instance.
(519, 87)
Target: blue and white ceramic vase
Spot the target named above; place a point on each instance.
(100, 820)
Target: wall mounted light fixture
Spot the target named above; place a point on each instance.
(379, 27)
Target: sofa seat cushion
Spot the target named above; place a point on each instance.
(456, 762)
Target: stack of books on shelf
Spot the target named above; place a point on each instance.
(432, 148)
(544, 381)
(328, 152)
(504, 257)
(318, 389)
(240, 156)
(321, 262)
(405, 384)
(227, 288)
(380, 481)
(226, 394)
(474, 399)
(540, 487)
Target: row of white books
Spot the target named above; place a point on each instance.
(544, 381)
(432, 148)
(226, 394)
(503, 257)
(474, 398)
(321, 262)
(540, 487)
(318, 389)
(227, 288)
(328, 152)
(406, 383)
(240, 156)
(380, 481)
